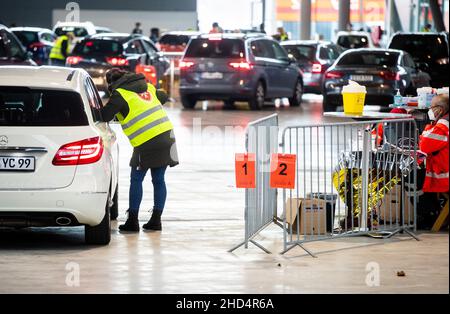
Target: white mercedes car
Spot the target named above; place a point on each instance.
(58, 161)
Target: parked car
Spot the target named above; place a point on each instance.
(382, 71)
(430, 51)
(102, 30)
(354, 40)
(238, 67)
(101, 52)
(58, 161)
(175, 41)
(38, 41)
(11, 50)
(313, 58)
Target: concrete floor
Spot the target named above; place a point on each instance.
(203, 219)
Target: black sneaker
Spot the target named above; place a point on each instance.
(154, 223)
(132, 223)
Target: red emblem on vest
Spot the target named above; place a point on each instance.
(146, 96)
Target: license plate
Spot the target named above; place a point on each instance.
(361, 78)
(98, 81)
(17, 163)
(212, 75)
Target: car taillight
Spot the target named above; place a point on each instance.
(317, 68)
(241, 65)
(186, 64)
(117, 61)
(390, 76)
(72, 60)
(83, 152)
(36, 45)
(334, 74)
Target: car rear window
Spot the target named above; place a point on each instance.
(421, 47)
(27, 37)
(353, 41)
(381, 59)
(223, 48)
(175, 40)
(301, 52)
(77, 31)
(21, 106)
(98, 47)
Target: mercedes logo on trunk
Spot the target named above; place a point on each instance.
(3, 140)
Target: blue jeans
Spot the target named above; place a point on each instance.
(159, 189)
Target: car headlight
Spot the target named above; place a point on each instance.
(442, 61)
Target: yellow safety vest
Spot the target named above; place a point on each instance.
(56, 53)
(146, 118)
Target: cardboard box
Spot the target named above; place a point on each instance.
(312, 214)
(390, 207)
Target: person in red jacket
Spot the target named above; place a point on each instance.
(434, 142)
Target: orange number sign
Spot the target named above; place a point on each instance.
(245, 171)
(282, 167)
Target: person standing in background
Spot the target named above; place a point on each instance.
(154, 34)
(137, 29)
(216, 28)
(61, 49)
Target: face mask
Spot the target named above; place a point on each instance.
(431, 115)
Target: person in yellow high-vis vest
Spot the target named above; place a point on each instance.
(138, 107)
(61, 49)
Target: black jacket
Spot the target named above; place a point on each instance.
(158, 152)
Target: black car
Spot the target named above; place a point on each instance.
(313, 58)
(429, 50)
(38, 41)
(101, 52)
(11, 50)
(382, 71)
(238, 67)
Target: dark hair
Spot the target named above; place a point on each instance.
(215, 24)
(114, 74)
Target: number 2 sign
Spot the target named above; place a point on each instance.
(282, 167)
(245, 171)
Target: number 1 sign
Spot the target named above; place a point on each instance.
(282, 171)
(245, 171)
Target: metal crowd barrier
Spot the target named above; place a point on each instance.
(260, 202)
(352, 179)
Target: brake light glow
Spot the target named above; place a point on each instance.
(36, 45)
(186, 64)
(334, 75)
(83, 152)
(390, 76)
(316, 68)
(117, 61)
(72, 60)
(241, 65)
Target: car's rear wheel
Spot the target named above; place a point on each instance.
(259, 96)
(188, 101)
(327, 105)
(114, 209)
(296, 99)
(100, 234)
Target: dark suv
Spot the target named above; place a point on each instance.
(430, 52)
(238, 67)
(313, 58)
(101, 52)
